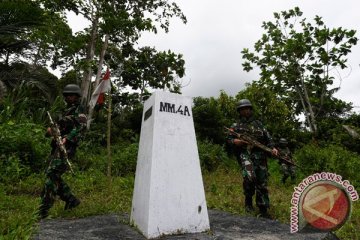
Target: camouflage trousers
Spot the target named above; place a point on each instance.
(54, 185)
(288, 170)
(255, 178)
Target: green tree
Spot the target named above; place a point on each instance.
(27, 32)
(208, 120)
(115, 23)
(28, 41)
(298, 60)
(227, 104)
(17, 19)
(273, 112)
(31, 89)
(51, 45)
(146, 68)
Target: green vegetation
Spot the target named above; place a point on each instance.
(224, 191)
(101, 195)
(295, 79)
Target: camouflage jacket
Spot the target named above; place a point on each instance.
(71, 125)
(255, 129)
(285, 152)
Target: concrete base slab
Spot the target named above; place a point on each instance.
(223, 225)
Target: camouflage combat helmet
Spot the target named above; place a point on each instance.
(283, 141)
(72, 89)
(244, 103)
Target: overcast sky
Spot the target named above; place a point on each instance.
(217, 31)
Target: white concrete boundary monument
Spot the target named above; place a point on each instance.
(169, 195)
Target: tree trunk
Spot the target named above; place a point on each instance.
(101, 60)
(98, 75)
(304, 106)
(37, 56)
(2, 90)
(86, 81)
(310, 111)
(7, 58)
(108, 137)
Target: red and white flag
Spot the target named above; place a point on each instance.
(98, 95)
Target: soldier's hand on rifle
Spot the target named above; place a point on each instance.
(275, 152)
(48, 132)
(239, 142)
(63, 141)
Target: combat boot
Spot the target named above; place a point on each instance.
(264, 213)
(293, 179)
(43, 212)
(248, 205)
(72, 203)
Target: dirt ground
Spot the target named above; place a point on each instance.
(223, 226)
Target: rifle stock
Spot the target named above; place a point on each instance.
(255, 143)
(55, 132)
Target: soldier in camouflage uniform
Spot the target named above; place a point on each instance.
(287, 169)
(253, 160)
(71, 126)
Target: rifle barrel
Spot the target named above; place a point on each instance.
(253, 142)
(57, 136)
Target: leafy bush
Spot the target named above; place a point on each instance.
(12, 169)
(124, 160)
(23, 149)
(208, 120)
(212, 156)
(331, 158)
(123, 157)
(95, 159)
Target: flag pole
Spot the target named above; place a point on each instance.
(108, 142)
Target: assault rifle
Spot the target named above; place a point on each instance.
(255, 143)
(55, 132)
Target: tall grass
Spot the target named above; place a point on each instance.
(98, 194)
(224, 191)
(101, 195)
